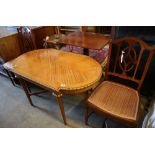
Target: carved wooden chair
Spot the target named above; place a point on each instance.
(27, 43)
(26, 39)
(118, 98)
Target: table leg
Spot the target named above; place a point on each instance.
(86, 114)
(22, 82)
(61, 106)
(86, 51)
(58, 96)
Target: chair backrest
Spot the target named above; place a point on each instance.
(26, 39)
(128, 61)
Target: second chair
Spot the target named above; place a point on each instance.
(118, 97)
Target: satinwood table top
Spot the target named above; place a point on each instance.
(57, 70)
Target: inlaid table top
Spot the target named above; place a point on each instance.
(56, 69)
(85, 39)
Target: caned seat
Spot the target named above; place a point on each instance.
(116, 100)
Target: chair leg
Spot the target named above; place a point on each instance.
(23, 84)
(86, 51)
(104, 125)
(86, 114)
(10, 77)
(28, 88)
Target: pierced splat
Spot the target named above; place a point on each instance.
(124, 59)
(127, 60)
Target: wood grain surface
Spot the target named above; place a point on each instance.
(117, 100)
(86, 40)
(56, 69)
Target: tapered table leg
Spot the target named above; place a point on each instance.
(86, 114)
(61, 106)
(22, 82)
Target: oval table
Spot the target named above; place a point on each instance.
(56, 71)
